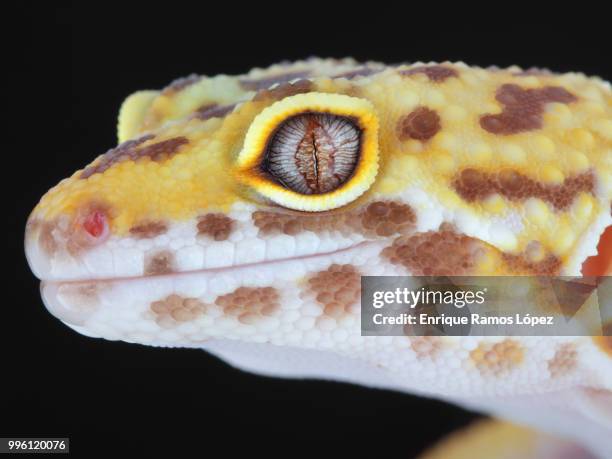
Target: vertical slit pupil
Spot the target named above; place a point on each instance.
(313, 153)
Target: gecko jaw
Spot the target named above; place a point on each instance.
(74, 301)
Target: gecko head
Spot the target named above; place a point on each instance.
(284, 176)
(157, 203)
(257, 207)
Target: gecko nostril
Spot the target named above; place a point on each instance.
(95, 224)
(90, 227)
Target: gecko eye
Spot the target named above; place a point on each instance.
(312, 151)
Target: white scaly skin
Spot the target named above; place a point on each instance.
(112, 287)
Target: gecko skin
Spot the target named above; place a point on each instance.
(238, 214)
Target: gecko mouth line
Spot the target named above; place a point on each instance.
(222, 269)
(76, 311)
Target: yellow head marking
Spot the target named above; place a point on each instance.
(484, 145)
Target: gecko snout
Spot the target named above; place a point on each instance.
(63, 239)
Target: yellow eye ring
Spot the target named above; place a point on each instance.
(250, 161)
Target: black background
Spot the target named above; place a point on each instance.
(70, 69)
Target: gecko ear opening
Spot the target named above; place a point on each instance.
(311, 152)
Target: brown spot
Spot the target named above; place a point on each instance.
(84, 295)
(250, 304)
(284, 90)
(435, 73)
(435, 253)
(497, 359)
(46, 240)
(115, 154)
(549, 266)
(446, 252)
(474, 185)
(88, 291)
(421, 124)
(564, 361)
(337, 290)
(378, 219)
(426, 347)
(180, 84)
(215, 226)
(129, 151)
(209, 111)
(159, 263)
(147, 230)
(387, 218)
(162, 150)
(604, 342)
(533, 261)
(359, 72)
(522, 108)
(256, 84)
(270, 223)
(175, 309)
